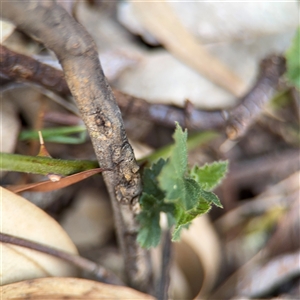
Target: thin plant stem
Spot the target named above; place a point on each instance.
(97, 270)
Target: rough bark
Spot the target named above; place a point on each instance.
(77, 53)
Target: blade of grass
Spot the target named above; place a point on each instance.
(43, 165)
(57, 134)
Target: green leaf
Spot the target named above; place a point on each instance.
(152, 203)
(210, 175)
(189, 193)
(150, 231)
(210, 197)
(172, 178)
(177, 231)
(183, 195)
(172, 175)
(184, 218)
(150, 184)
(293, 61)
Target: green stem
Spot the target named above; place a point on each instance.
(43, 165)
(57, 134)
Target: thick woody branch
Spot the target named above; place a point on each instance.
(77, 53)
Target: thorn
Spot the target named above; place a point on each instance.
(43, 151)
(41, 138)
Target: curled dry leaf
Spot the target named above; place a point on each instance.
(22, 219)
(89, 221)
(198, 255)
(68, 288)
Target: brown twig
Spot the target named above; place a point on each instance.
(242, 116)
(100, 272)
(167, 115)
(49, 23)
(236, 120)
(26, 68)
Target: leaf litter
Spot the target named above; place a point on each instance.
(259, 143)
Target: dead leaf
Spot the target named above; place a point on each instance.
(162, 22)
(9, 125)
(68, 288)
(281, 242)
(89, 220)
(51, 185)
(7, 29)
(22, 219)
(199, 256)
(236, 33)
(264, 278)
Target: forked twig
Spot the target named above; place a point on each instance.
(235, 121)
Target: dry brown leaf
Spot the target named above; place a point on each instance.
(179, 286)
(89, 220)
(50, 185)
(22, 219)
(68, 288)
(261, 279)
(9, 125)
(160, 20)
(6, 30)
(235, 33)
(199, 256)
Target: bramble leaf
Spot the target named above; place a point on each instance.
(150, 184)
(152, 203)
(210, 197)
(210, 175)
(293, 61)
(177, 231)
(184, 218)
(172, 179)
(150, 231)
(173, 172)
(170, 188)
